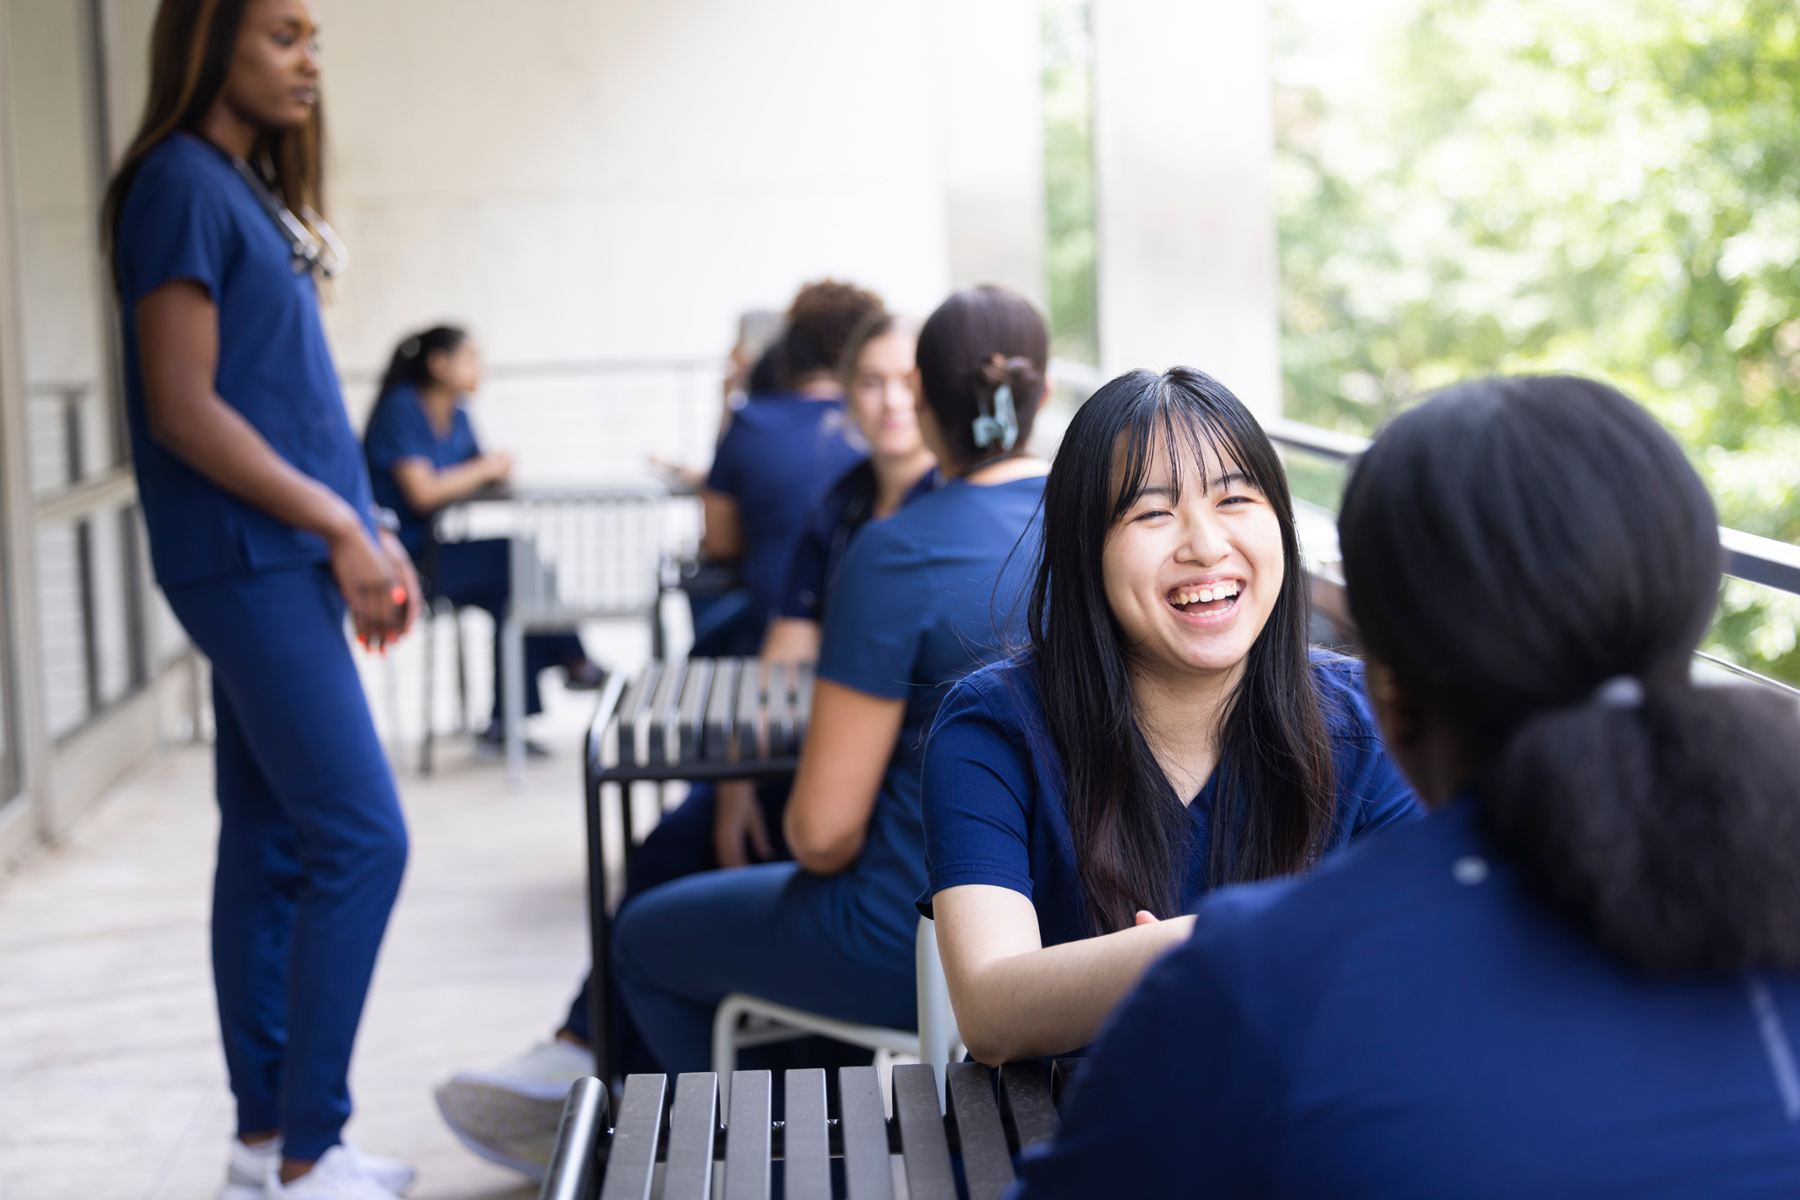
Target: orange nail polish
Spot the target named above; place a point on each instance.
(399, 594)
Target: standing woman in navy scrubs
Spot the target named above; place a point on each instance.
(423, 455)
(263, 535)
(1578, 976)
(1166, 731)
(922, 598)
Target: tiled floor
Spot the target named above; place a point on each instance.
(112, 1085)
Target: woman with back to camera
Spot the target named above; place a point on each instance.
(1576, 978)
(1073, 794)
(920, 601)
(422, 455)
(263, 534)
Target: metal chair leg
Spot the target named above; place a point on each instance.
(430, 645)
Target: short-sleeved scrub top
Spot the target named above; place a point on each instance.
(399, 429)
(190, 216)
(925, 597)
(846, 507)
(995, 794)
(778, 457)
(1414, 1021)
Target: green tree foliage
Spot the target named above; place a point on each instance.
(1069, 179)
(1603, 186)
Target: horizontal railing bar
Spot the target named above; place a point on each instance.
(556, 368)
(1761, 560)
(115, 488)
(1747, 673)
(1326, 443)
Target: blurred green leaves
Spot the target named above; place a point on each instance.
(1603, 186)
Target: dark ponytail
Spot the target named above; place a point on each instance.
(980, 340)
(1537, 560)
(410, 365)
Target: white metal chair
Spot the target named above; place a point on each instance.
(932, 1044)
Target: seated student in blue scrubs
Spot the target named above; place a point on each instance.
(779, 455)
(423, 455)
(922, 598)
(1165, 732)
(1576, 977)
(899, 469)
(509, 1114)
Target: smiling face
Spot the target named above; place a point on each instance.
(273, 81)
(881, 396)
(1193, 571)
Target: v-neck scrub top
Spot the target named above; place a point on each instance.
(995, 793)
(400, 429)
(845, 508)
(1413, 1022)
(924, 597)
(780, 455)
(191, 216)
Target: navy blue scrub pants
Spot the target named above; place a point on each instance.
(311, 846)
(680, 948)
(479, 575)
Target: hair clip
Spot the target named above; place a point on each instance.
(1003, 426)
(409, 348)
(1621, 691)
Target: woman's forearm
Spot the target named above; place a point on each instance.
(178, 337)
(428, 488)
(1053, 1000)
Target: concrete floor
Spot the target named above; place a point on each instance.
(112, 1084)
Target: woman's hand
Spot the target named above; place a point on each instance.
(737, 818)
(401, 563)
(497, 466)
(366, 577)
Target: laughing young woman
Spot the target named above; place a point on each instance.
(1167, 731)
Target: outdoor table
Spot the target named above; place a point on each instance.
(692, 720)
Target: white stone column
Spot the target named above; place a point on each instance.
(1183, 144)
(990, 93)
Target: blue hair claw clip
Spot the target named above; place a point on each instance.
(1003, 426)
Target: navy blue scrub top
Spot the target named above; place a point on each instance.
(189, 215)
(1412, 1022)
(995, 794)
(399, 429)
(778, 457)
(914, 610)
(844, 509)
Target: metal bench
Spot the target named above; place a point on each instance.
(681, 720)
(598, 1155)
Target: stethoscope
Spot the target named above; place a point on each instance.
(314, 249)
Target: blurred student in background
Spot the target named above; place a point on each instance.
(509, 1114)
(422, 455)
(779, 454)
(1577, 977)
(1166, 730)
(263, 534)
(922, 598)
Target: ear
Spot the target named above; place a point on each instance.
(1396, 709)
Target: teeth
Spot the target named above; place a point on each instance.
(1206, 595)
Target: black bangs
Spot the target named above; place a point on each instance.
(1194, 428)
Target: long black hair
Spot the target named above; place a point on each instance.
(1536, 560)
(410, 365)
(191, 47)
(1274, 800)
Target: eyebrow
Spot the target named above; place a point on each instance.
(1224, 481)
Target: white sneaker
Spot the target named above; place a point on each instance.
(509, 1115)
(249, 1168)
(338, 1175)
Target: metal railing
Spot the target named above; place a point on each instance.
(1748, 557)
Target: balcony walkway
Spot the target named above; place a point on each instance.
(112, 1084)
